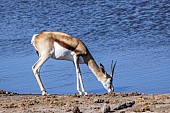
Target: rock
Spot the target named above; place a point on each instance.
(6, 92)
(130, 94)
(68, 110)
(124, 105)
(130, 104)
(98, 101)
(2, 92)
(134, 94)
(76, 110)
(122, 112)
(141, 108)
(105, 108)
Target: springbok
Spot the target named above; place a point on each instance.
(61, 46)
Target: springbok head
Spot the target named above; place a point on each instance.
(108, 78)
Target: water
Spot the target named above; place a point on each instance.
(136, 34)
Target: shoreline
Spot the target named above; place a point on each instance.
(92, 103)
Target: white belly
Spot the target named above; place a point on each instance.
(61, 53)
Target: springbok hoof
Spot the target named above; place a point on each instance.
(44, 93)
(85, 93)
(80, 93)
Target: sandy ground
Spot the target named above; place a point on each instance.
(92, 103)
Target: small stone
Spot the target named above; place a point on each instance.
(122, 112)
(76, 110)
(68, 110)
(141, 108)
(106, 108)
(98, 101)
(124, 105)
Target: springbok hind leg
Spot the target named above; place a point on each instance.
(36, 70)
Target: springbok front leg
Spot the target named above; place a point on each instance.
(79, 77)
(36, 70)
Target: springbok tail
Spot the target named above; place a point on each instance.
(33, 43)
(32, 40)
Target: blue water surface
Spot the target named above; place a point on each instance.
(136, 34)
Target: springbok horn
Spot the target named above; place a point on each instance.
(112, 68)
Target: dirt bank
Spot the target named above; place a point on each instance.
(92, 103)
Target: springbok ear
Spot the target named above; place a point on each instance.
(102, 68)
